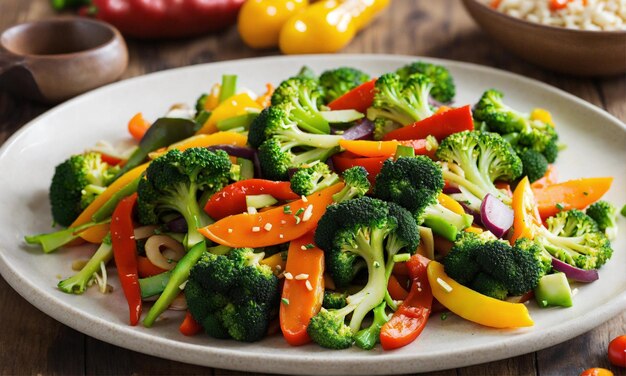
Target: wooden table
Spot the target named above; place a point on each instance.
(33, 343)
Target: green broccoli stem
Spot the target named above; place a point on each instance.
(184, 201)
(154, 285)
(310, 122)
(312, 155)
(295, 137)
(346, 193)
(568, 242)
(367, 338)
(55, 240)
(178, 276)
(445, 222)
(459, 180)
(394, 245)
(374, 291)
(77, 284)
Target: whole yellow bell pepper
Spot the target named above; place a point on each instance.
(327, 26)
(238, 104)
(474, 306)
(260, 21)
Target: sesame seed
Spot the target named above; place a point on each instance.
(256, 229)
(302, 276)
(251, 210)
(304, 199)
(283, 222)
(302, 247)
(278, 267)
(281, 236)
(444, 284)
(308, 285)
(268, 226)
(288, 275)
(308, 213)
(230, 230)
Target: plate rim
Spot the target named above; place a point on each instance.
(115, 333)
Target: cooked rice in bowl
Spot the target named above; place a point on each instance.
(594, 15)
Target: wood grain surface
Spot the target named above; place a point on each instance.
(33, 343)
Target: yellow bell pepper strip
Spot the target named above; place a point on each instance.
(238, 104)
(273, 226)
(87, 215)
(327, 26)
(301, 298)
(206, 140)
(525, 215)
(372, 149)
(474, 306)
(571, 194)
(542, 115)
(450, 204)
(275, 261)
(260, 21)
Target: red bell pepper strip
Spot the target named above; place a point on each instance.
(125, 254)
(409, 320)
(232, 198)
(189, 326)
(360, 98)
(165, 18)
(373, 165)
(440, 125)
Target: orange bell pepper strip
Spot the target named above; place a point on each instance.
(440, 125)
(474, 306)
(360, 98)
(96, 233)
(571, 194)
(525, 215)
(121, 182)
(138, 126)
(450, 204)
(145, 268)
(550, 177)
(274, 226)
(189, 326)
(265, 100)
(371, 149)
(301, 299)
(410, 318)
(238, 104)
(213, 99)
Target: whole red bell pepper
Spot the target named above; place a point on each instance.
(232, 198)
(165, 18)
(125, 254)
(409, 320)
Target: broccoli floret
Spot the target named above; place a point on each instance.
(605, 215)
(334, 299)
(574, 237)
(310, 179)
(233, 296)
(384, 126)
(534, 164)
(173, 183)
(522, 131)
(356, 184)
(277, 155)
(364, 227)
(337, 82)
(76, 183)
(401, 101)
(494, 268)
(475, 160)
(368, 337)
(443, 89)
(415, 183)
(78, 283)
(306, 97)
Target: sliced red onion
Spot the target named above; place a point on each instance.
(450, 190)
(574, 273)
(258, 173)
(496, 215)
(471, 212)
(291, 171)
(235, 151)
(363, 130)
(178, 225)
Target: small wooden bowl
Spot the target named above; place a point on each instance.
(56, 59)
(577, 52)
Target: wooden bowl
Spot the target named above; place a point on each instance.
(56, 59)
(577, 52)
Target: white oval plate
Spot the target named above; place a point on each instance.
(596, 143)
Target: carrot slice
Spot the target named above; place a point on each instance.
(571, 194)
(301, 298)
(138, 126)
(274, 226)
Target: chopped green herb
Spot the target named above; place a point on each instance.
(298, 220)
(287, 209)
(403, 257)
(285, 301)
(300, 211)
(560, 206)
(444, 316)
(309, 246)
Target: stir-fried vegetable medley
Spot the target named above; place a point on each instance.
(334, 209)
